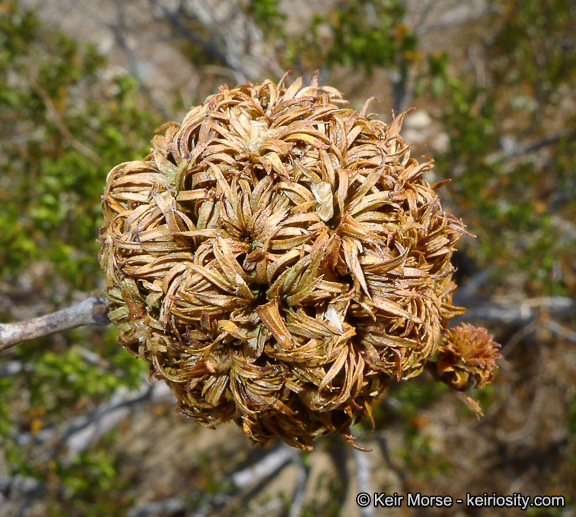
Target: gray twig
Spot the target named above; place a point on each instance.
(18, 484)
(265, 467)
(58, 120)
(468, 290)
(27, 487)
(12, 368)
(207, 47)
(302, 473)
(460, 15)
(119, 30)
(86, 430)
(92, 311)
(563, 332)
(519, 336)
(528, 310)
(363, 479)
(167, 506)
(83, 431)
(518, 150)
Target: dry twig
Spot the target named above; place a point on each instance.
(84, 431)
(169, 506)
(265, 468)
(206, 46)
(92, 311)
(524, 313)
(302, 477)
(58, 121)
(363, 478)
(560, 330)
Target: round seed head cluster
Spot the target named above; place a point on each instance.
(467, 357)
(277, 259)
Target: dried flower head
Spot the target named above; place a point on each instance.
(467, 357)
(277, 259)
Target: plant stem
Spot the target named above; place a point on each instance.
(92, 311)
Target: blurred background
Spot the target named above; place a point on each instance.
(84, 84)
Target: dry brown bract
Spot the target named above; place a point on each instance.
(278, 258)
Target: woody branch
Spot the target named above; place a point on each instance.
(92, 311)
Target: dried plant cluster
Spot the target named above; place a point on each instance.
(277, 259)
(468, 357)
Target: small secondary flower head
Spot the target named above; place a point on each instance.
(468, 357)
